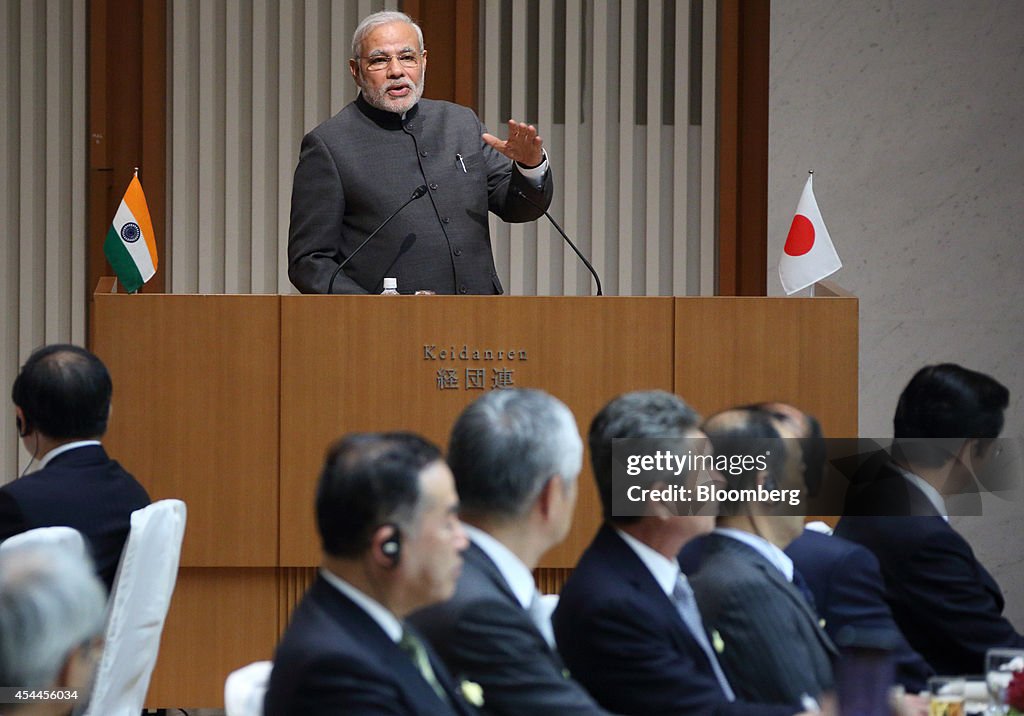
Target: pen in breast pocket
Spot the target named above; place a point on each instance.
(462, 164)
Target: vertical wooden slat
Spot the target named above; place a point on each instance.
(184, 253)
(233, 240)
(76, 181)
(10, 48)
(263, 272)
(522, 257)
(31, 293)
(290, 128)
(211, 144)
(548, 242)
(709, 229)
(467, 30)
(491, 102)
(573, 77)
(654, 149)
(681, 190)
(152, 147)
(342, 26)
(600, 140)
(627, 82)
(52, 166)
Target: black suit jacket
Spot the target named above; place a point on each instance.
(335, 659)
(485, 635)
(945, 602)
(849, 593)
(360, 165)
(774, 650)
(82, 488)
(623, 639)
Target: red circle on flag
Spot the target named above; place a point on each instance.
(801, 236)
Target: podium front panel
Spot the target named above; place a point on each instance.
(366, 363)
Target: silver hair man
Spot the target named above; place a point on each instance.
(51, 616)
(507, 445)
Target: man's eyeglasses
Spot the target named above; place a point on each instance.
(379, 63)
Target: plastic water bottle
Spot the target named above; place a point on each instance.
(390, 287)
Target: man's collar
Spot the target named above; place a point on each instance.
(926, 488)
(664, 570)
(766, 549)
(383, 118)
(377, 611)
(516, 574)
(66, 447)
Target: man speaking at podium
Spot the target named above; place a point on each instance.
(427, 163)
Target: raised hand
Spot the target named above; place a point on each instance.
(523, 145)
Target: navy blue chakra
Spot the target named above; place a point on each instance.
(130, 232)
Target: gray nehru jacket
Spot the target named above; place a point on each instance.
(360, 165)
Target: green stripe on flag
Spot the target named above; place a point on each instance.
(122, 262)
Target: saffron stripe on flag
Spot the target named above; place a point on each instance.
(135, 199)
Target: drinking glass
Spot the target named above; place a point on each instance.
(1000, 664)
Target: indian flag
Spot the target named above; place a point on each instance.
(130, 245)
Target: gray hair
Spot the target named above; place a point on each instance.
(507, 445)
(50, 603)
(641, 414)
(377, 19)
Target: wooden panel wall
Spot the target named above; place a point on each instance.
(360, 365)
(195, 414)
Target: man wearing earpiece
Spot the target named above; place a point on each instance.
(62, 402)
(386, 511)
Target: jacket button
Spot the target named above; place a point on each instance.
(423, 153)
(457, 252)
(463, 289)
(446, 220)
(433, 186)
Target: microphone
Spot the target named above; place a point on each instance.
(521, 195)
(420, 191)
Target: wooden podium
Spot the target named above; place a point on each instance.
(230, 401)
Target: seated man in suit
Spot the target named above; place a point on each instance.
(626, 623)
(843, 578)
(386, 510)
(62, 403)
(516, 455)
(52, 609)
(945, 602)
(773, 648)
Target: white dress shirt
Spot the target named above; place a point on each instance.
(377, 611)
(66, 447)
(765, 548)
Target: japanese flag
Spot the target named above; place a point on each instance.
(809, 255)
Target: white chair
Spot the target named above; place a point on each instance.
(137, 608)
(245, 688)
(66, 538)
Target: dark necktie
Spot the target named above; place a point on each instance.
(412, 646)
(801, 584)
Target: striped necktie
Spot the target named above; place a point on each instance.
(682, 594)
